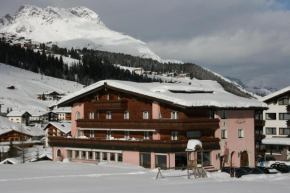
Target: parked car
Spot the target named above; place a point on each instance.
(235, 172)
(251, 170)
(268, 170)
(282, 167)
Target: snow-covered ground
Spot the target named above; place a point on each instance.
(116, 177)
(27, 84)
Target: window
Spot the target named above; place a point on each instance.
(270, 116)
(193, 134)
(284, 131)
(78, 115)
(120, 157)
(283, 101)
(284, 116)
(174, 135)
(145, 160)
(92, 133)
(78, 133)
(108, 115)
(83, 155)
(146, 135)
(145, 114)
(174, 115)
(223, 114)
(104, 154)
(90, 155)
(126, 115)
(258, 131)
(96, 97)
(97, 156)
(161, 161)
(241, 133)
(77, 154)
(127, 135)
(212, 114)
(259, 116)
(92, 115)
(109, 134)
(69, 154)
(224, 134)
(119, 97)
(112, 156)
(134, 98)
(108, 96)
(58, 153)
(271, 131)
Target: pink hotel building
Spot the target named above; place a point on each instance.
(149, 124)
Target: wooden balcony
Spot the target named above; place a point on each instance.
(173, 124)
(259, 123)
(111, 105)
(159, 146)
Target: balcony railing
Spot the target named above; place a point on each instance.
(111, 105)
(150, 124)
(259, 123)
(161, 146)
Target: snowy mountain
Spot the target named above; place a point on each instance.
(263, 91)
(27, 84)
(73, 27)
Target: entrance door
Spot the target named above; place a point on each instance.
(244, 159)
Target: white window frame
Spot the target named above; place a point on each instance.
(92, 115)
(126, 115)
(108, 115)
(241, 133)
(146, 135)
(224, 134)
(174, 135)
(174, 114)
(145, 114)
(109, 134)
(78, 115)
(108, 96)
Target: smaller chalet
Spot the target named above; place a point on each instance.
(57, 129)
(22, 117)
(43, 117)
(64, 113)
(50, 96)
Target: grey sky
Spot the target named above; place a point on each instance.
(246, 39)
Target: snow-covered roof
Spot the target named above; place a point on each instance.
(274, 94)
(192, 144)
(199, 93)
(4, 149)
(16, 113)
(7, 126)
(62, 110)
(62, 126)
(276, 141)
(48, 155)
(37, 113)
(12, 161)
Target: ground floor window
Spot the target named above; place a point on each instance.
(90, 155)
(97, 156)
(161, 161)
(180, 160)
(120, 157)
(104, 155)
(69, 153)
(112, 156)
(77, 154)
(276, 149)
(83, 155)
(145, 160)
(206, 158)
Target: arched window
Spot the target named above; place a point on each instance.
(58, 153)
(78, 115)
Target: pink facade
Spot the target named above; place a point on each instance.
(63, 154)
(77, 107)
(131, 157)
(234, 145)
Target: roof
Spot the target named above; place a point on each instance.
(17, 113)
(278, 93)
(62, 110)
(12, 161)
(62, 126)
(199, 93)
(276, 141)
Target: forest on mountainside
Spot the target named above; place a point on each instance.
(95, 65)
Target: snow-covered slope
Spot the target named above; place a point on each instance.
(73, 27)
(27, 84)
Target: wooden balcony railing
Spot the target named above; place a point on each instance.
(260, 123)
(160, 146)
(151, 124)
(111, 105)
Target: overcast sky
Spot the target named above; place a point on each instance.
(245, 39)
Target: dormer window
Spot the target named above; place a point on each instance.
(108, 96)
(174, 115)
(283, 101)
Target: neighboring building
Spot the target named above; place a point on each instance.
(277, 124)
(49, 117)
(22, 117)
(50, 96)
(43, 117)
(53, 129)
(64, 113)
(149, 124)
